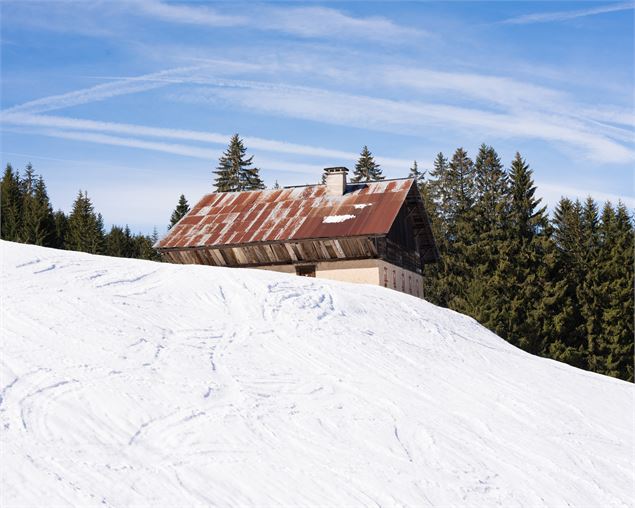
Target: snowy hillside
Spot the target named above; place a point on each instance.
(135, 383)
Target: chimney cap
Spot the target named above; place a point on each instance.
(336, 169)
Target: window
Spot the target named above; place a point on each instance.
(385, 277)
(305, 270)
(394, 279)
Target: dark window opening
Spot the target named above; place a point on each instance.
(305, 270)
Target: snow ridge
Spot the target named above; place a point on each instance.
(127, 382)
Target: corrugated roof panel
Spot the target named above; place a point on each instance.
(298, 213)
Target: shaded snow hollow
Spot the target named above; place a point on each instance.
(128, 382)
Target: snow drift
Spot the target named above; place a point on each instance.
(127, 382)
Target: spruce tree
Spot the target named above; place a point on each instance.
(180, 211)
(522, 267)
(144, 247)
(460, 230)
(435, 275)
(590, 291)
(366, 169)
(617, 254)
(10, 205)
(564, 326)
(85, 227)
(61, 226)
(235, 171)
(416, 175)
(36, 223)
(115, 242)
(438, 185)
(489, 222)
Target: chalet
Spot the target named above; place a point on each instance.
(373, 232)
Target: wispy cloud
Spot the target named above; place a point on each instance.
(307, 22)
(508, 108)
(551, 193)
(193, 15)
(318, 21)
(103, 91)
(101, 132)
(178, 149)
(411, 117)
(546, 17)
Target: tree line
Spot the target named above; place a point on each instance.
(27, 216)
(559, 287)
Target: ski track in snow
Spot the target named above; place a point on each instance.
(128, 382)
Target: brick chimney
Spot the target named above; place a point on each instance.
(335, 179)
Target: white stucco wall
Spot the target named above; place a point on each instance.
(365, 271)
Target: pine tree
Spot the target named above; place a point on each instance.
(522, 267)
(115, 242)
(144, 249)
(617, 254)
(435, 275)
(234, 171)
(564, 328)
(366, 169)
(85, 228)
(179, 212)
(61, 227)
(276, 185)
(415, 174)
(489, 227)
(460, 231)
(589, 291)
(10, 205)
(438, 186)
(36, 223)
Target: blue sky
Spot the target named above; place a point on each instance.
(135, 100)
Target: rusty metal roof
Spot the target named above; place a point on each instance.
(298, 213)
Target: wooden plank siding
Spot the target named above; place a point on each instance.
(328, 249)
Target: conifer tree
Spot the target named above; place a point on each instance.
(36, 220)
(451, 189)
(61, 226)
(38, 224)
(489, 229)
(589, 291)
(522, 264)
(438, 185)
(116, 243)
(435, 274)
(10, 205)
(417, 175)
(180, 211)
(85, 227)
(617, 254)
(366, 169)
(564, 327)
(460, 231)
(235, 171)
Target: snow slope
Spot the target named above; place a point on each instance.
(128, 383)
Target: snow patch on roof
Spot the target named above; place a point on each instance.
(334, 219)
(361, 206)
